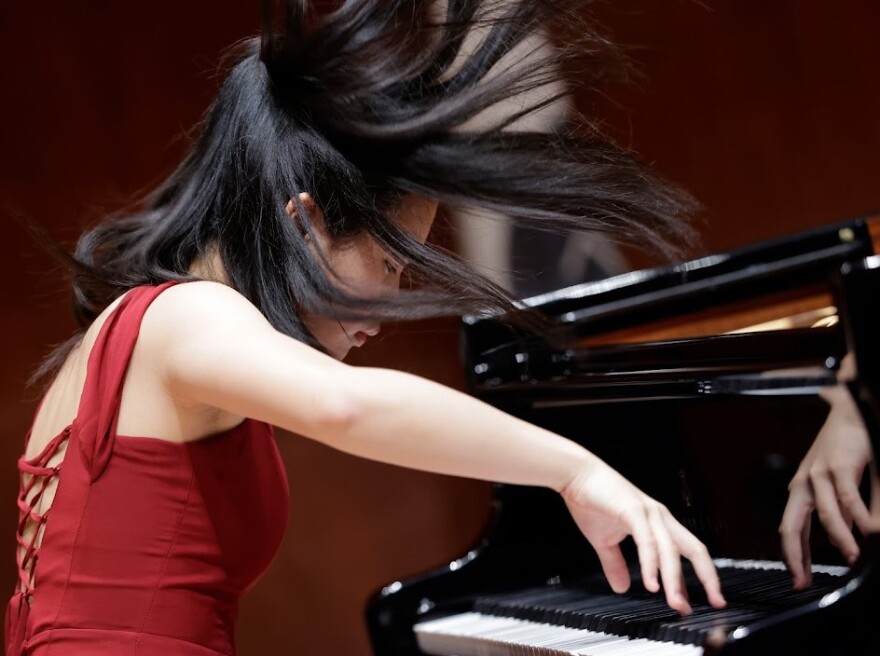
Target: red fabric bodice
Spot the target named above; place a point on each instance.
(150, 543)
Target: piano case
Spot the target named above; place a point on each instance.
(699, 383)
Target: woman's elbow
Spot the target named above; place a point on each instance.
(338, 417)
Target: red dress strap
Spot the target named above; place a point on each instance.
(98, 414)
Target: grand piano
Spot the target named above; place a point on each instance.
(699, 383)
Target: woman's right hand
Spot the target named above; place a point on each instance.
(607, 508)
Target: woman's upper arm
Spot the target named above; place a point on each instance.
(217, 349)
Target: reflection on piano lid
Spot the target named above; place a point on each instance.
(795, 262)
(799, 361)
(713, 406)
(590, 348)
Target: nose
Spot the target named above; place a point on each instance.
(373, 330)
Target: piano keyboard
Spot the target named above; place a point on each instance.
(587, 619)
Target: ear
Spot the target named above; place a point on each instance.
(315, 216)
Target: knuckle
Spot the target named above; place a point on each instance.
(817, 473)
(698, 553)
(649, 542)
(825, 517)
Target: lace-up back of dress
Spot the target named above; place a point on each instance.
(38, 482)
(108, 527)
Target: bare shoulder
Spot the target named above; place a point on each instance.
(198, 320)
(183, 311)
(211, 304)
(210, 348)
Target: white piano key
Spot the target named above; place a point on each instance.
(722, 563)
(474, 634)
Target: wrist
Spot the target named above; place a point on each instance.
(842, 407)
(578, 471)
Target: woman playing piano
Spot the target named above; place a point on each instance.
(227, 300)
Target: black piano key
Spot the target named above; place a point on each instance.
(643, 625)
(694, 629)
(581, 614)
(519, 604)
(570, 614)
(590, 604)
(608, 618)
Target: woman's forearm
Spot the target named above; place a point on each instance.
(412, 422)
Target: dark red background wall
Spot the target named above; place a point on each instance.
(767, 110)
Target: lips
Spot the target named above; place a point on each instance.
(360, 338)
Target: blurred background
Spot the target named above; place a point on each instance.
(767, 110)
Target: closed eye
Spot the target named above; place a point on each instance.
(390, 268)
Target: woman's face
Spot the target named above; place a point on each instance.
(361, 268)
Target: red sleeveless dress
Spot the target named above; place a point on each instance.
(150, 543)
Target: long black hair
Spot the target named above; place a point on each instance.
(358, 104)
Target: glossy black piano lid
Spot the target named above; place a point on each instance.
(632, 298)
